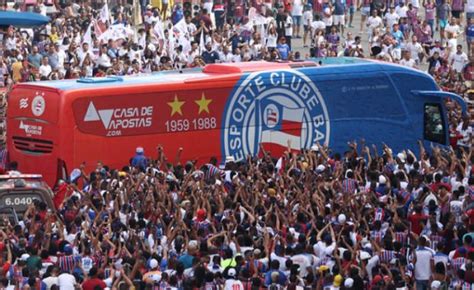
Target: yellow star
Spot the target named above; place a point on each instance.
(176, 106)
(203, 104)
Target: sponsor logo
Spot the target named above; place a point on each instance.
(38, 105)
(24, 103)
(276, 109)
(31, 129)
(120, 118)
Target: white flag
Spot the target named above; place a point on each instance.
(104, 13)
(87, 37)
(181, 27)
(158, 29)
(202, 43)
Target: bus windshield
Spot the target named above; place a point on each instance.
(434, 127)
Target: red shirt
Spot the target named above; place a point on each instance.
(415, 222)
(92, 283)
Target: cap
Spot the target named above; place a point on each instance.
(377, 279)
(75, 174)
(337, 280)
(229, 159)
(271, 192)
(24, 257)
(231, 272)
(323, 268)
(153, 263)
(435, 284)
(201, 214)
(320, 168)
(341, 218)
(364, 255)
(349, 282)
(314, 148)
(382, 179)
(139, 150)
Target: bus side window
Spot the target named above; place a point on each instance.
(434, 128)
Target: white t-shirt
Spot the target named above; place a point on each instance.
(318, 25)
(459, 61)
(232, 284)
(66, 281)
(415, 49)
(423, 263)
(327, 19)
(280, 259)
(50, 281)
(454, 29)
(374, 22)
(401, 11)
(307, 17)
(289, 26)
(391, 19)
(409, 63)
(272, 40)
(303, 261)
(466, 135)
(297, 8)
(45, 70)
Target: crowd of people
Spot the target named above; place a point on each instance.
(87, 39)
(367, 218)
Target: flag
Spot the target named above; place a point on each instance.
(279, 124)
(202, 44)
(280, 165)
(137, 13)
(99, 28)
(181, 28)
(87, 37)
(104, 15)
(158, 29)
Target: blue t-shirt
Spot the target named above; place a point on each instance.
(339, 7)
(470, 31)
(398, 35)
(284, 50)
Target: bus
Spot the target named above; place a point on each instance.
(222, 111)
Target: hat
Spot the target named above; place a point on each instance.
(323, 268)
(401, 156)
(364, 255)
(75, 174)
(139, 150)
(232, 272)
(67, 249)
(435, 284)
(149, 7)
(201, 214)
(320, 168)
(271, 192)
(337, 280)
(341, 218)
(229, 159)
(349, 282)
(377, 279)
(24, 257)
(382, 179)
(314, 148)
(153, 263)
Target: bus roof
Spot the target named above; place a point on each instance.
(344, 64)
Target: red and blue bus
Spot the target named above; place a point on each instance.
(222, 110)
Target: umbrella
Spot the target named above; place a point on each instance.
(22, 19)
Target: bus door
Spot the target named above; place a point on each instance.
(435, 115)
